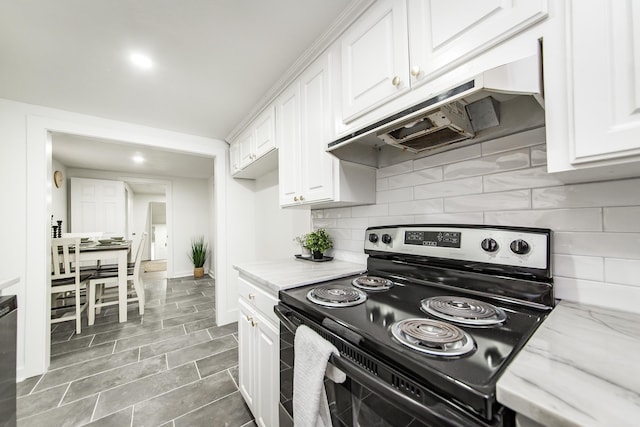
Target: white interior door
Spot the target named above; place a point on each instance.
(159, 250)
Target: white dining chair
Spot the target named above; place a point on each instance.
(103, 286)
(67, 280)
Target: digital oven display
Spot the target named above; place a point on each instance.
(444, 239)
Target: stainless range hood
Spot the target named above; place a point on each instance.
(496, 103)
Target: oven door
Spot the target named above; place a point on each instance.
(363, 399)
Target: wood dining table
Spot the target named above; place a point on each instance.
(98, 252)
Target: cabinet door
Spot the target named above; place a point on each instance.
(315, 121)
(444, 34)
(234, 157)
(268, 373)
(245, 144)
(246, 355)
(606, 90)
(264, 132)
(97, 205)
(375, 64)
(288, 137)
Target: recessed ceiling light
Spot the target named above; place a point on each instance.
(141, 61)
(138, 158)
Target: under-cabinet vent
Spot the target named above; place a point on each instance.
(405, 386)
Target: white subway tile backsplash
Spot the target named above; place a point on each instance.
(611, 295)
(523, 178)
(556, 219)
(351, 223)
(622, 271)
(423, 176)
(625, 219)
(324, 223)
(457, 187)
(508, 200)
(508, 160)
(391, 220)
(416, 207)
(398, 169)
(369, 210)
(382, 184)
(339, 233)
(451, 218)
(578, 267)
(398, 195)
(337, 213)
(608, 193)
(318, 213)
(358, 235)
(457, 155)
(612, 245)
(512, 142)
(538, 155)
(349, 245)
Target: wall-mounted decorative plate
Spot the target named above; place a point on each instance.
(58, 178)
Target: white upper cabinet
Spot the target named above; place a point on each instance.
(315, 122)
(592, 87)
(255, 147)
(308, 175)
(444, 34)
(288, 136)
(399, 45)
(375, 65)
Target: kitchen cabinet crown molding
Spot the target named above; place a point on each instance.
(313, 52)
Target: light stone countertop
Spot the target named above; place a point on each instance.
(580, 368)
(291, 273)
(8, 282)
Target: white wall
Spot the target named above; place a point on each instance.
(596, 247)
(59, 197)
(276, 227)
(25, 188)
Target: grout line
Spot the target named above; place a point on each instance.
(166, 361)
(139, 353)
(64, 394)
(95, 407)
(132, 412)
(36, 385)
(197, 370)
(206, 404)
(209, 333)
(231, 375)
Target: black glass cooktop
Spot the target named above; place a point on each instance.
(470, 378)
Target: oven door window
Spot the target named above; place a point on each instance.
(354, 405)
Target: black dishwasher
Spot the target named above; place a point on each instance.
(8, 326)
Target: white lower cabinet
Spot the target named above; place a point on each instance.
(259, 353)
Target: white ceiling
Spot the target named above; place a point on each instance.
(214, 60)
(92, 153)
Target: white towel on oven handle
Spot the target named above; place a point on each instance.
(312, 352)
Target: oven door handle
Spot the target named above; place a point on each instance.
(283, 314)
(425, 411)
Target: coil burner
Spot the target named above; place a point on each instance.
(433, 337)
(336, 296)
(372, 283)
(467, 311)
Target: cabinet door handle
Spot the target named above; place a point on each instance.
(295, 198)
(301, 198)
(249, 319)
(251, 296)
(395, 81)
(253, 324)
(415, 71)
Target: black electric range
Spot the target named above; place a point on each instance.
(438, 316)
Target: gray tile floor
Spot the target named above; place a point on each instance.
(172, 367)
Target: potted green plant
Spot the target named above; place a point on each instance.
(300, 240)
(318, 241)
(198, 255)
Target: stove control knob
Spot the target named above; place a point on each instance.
(489, 245)
(373, 237)
(386, 239)
(520, 247)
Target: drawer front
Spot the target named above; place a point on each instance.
(258, 298)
